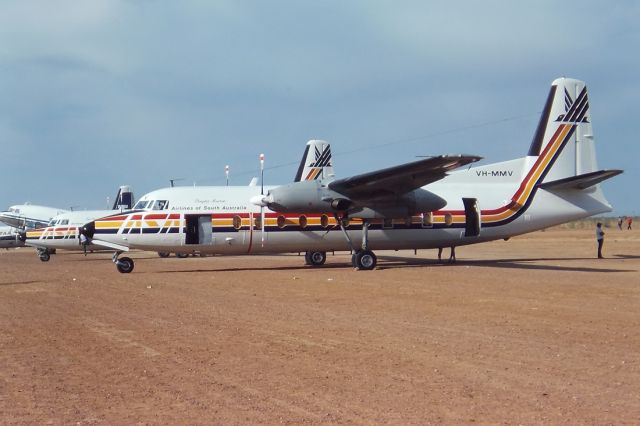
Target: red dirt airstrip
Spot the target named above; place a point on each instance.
(532, 330)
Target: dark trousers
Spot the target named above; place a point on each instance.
(600, 248)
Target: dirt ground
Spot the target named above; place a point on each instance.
(532, 330)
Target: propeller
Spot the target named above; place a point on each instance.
(262, 204)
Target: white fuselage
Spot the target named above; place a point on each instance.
(221, 220)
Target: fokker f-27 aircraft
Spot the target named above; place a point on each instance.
(423, 204)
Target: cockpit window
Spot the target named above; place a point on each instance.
(160, 205)
(64, 222)
(141, 205)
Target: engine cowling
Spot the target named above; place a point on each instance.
(306, 197)
(316, 197)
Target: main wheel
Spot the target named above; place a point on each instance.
(44, 256)
(315, 258)
(125, 265)
(163, 254)
(365, 260)
(182, 255)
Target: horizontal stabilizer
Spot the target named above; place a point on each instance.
(110, 245)
(581, 181)
(400, 179)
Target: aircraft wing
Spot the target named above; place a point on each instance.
(400, 179)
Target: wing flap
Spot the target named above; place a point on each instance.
(400, 179)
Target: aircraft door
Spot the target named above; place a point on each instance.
(198, 229)
(472, 217)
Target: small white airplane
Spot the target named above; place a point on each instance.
(62, 231)
(10, 237)
(418, 205)
(22, 217)
(29, 216)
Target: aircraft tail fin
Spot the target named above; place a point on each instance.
(562, 155)
(563, 141)
(124, 200)
(316, 162)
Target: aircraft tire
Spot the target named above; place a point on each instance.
(44, 256)
(182, 255)
(163, 254)
(315, 258)
(125, 265)
(365, 260)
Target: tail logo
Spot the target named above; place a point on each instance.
(575, 110)
(322, 160)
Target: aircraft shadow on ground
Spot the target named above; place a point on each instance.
(391, 262)
(501, 263)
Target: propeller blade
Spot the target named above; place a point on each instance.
(262, 203)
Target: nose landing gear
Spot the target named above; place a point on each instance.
(123, 264)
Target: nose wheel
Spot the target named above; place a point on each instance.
(124, 265)
(44, 255)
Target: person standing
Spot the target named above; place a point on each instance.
(629, 222)
(600, 239)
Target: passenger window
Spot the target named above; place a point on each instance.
(281, 221)
(324, 220)
(448, 219)
(302, 221)
(427, 220)
(237, 222)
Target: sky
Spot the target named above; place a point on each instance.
(97, 94)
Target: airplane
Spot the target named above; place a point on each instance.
(29, 216)
(10, 237)
(62, 231)
(21, 217)
(419, 205)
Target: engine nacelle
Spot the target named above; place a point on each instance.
(315, 197)
(308, 196)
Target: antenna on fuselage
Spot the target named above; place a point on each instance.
(226, 174)
(174, 180)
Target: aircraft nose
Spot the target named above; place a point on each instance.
(88, 230)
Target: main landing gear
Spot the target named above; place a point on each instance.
(315, 258)
(123, 264)
(362, 259)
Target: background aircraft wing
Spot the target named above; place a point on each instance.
(400, 179)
